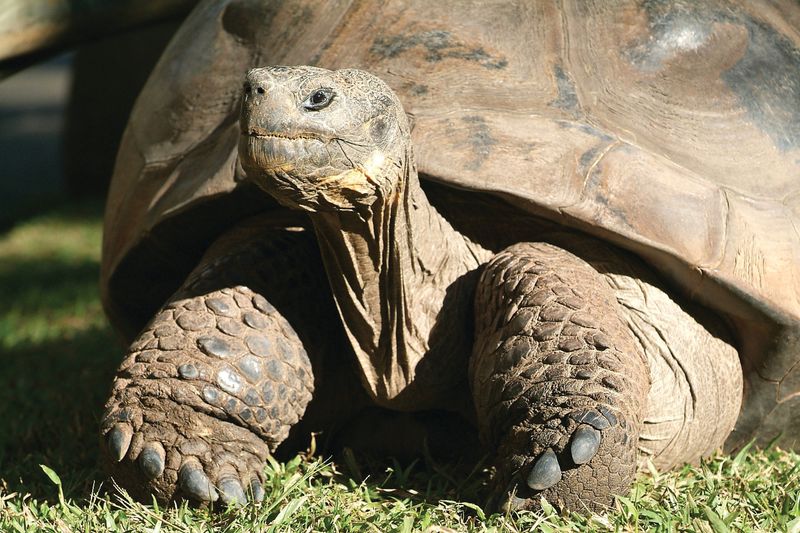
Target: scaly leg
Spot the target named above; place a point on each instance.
(218, 377)
(558, 380)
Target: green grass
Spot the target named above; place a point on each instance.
(58, 356)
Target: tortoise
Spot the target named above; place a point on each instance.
(566, 229)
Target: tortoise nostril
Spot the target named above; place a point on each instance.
(260, 90)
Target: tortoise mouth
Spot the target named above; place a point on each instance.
(260, 133)
(270, 150)
(302, 172)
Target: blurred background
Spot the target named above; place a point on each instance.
(70, 71)
(32, 109)
(69, 75)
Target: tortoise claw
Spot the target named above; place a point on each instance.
(512, 503)
(585, 443)
(546, 471)
(194, 482)
(119, 440)
(257, 491)
(231, 492)
(151, 460)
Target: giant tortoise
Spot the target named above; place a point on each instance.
(579, 240)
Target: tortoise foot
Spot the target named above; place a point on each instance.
(559, 382)
(186, 454)
(211, 386)
(576, 462)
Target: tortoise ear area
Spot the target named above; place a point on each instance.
(377, 130)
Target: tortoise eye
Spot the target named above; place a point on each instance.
(319, 99)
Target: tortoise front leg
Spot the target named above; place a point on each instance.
(218, 377)
(558, 380)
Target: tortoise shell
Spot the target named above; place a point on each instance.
(670, 129)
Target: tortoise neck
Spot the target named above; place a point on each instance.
(390, 271)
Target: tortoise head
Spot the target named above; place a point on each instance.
(322, 140)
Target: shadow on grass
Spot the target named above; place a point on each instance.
(422, 479)
(57, 358)
(51, 396)
(47, 286)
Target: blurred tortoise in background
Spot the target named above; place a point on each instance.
(598, 266)
(30, 30)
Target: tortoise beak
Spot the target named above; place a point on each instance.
(266, 106)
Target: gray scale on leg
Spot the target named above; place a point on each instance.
(262, 304)
(275, 370)
(242, 298)
(230, 326)
(252, 398)
(546, 331)
(600, 340)
(174, 342)
(509, 359)
(259, 345)
(188, 371)
(570, 344)
(222, 306)
(141, 343)
(254, 320)
(267, 392)
(593, 418)
(606, 412)
(165, 330)
(211, 395)
(554, 313)
(250, 367)
(191, 321)
(583, 358)
(229, 380)
(148, 356)
(287, 353)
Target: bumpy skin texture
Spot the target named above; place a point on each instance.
(559, 371)
(214, 383)
(612, 118)
(219, 377)
(554, 370)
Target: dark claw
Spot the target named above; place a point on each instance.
(585, 442)
(151, 460)
(545, 472)
(608, 414)
(231, 492)
(512, 503)
(196, 484)
(257, 491)
(593, 418)
(119, 439)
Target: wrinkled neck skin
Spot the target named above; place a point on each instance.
(403, 281)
